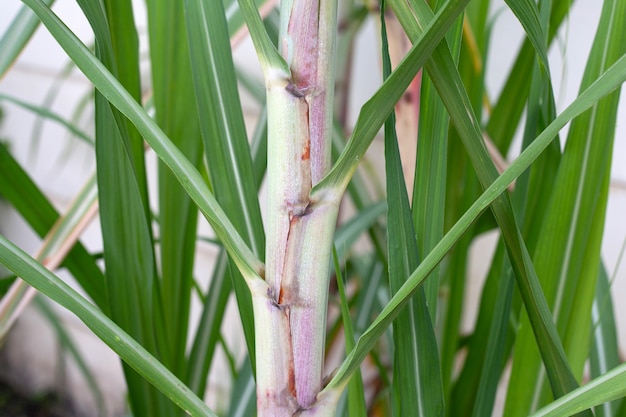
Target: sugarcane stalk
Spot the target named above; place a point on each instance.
(290, 306)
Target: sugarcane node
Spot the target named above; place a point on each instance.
(295, 91)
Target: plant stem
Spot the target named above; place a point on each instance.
(291, 309)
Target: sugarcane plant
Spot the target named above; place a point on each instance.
(545, 308)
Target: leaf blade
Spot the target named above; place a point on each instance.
(417, 383)
(226, 146)
(609, 81)
(125, 346)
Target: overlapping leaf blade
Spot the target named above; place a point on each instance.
(417, 379)
(209, 328)
(124, 213)
(508, 108)
(225, 141)
(124, 345)
(608, 82)
(508, 213)
(356, 392)
(34, 207)
(608, 387)
(529, 199)
(450, 88)
(59, 240)
(374, 113)
(493, 336)
(604, 354)
(177, 115)
(568, 252)
(17, 36)
(450, 188)
(186, 173)
(429, 186)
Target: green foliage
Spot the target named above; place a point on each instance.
(416, 384)
(545, 307)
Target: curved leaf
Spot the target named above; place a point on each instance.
(186, 173)
(609, 81)
(125, 346)
(608, 387)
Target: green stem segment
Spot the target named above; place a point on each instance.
(290, 310)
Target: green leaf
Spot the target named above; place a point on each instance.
(270, 58)
(528, 14)
(226, 146)
(417, 386)
(509, 106)
(359, 194)
(47, 114)
(356, 392)
(130, 266)
(258, 148)
(497, 347)
(493, 337)
(68, 345)
(5, 283)
(125, 346)
(434, 154)
(430, 178)
(608, 387)
(209, 327)
(18, 188)
(177, 115)
(243, 396)
(349, 231)
(449, 85)
(17, 36)
(567, 256)
(223, 129)
(374, 113)
(608, 82)
(63, 234)
(604, 354)
(236, 20)
(187, 174)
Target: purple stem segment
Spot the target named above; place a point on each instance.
(299, 230)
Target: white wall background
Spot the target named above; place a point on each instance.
(31, 351)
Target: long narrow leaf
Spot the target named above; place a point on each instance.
(17, 35)
(208, 331)
(59, 240)
(125, 346)
(449, 85)
(189, 177)
(47, 114)
(435, 183)
(509, 106)
(608, 387)
(271, 60)
(243, 397)
(528, 14)
(68, 345)
(374, 113)
(38, 212)
(356, 392)
(177, 115)
(129, 258)
(604, 354)
(609, 81)
(225, 141)
(417, 384)
(568, 252)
